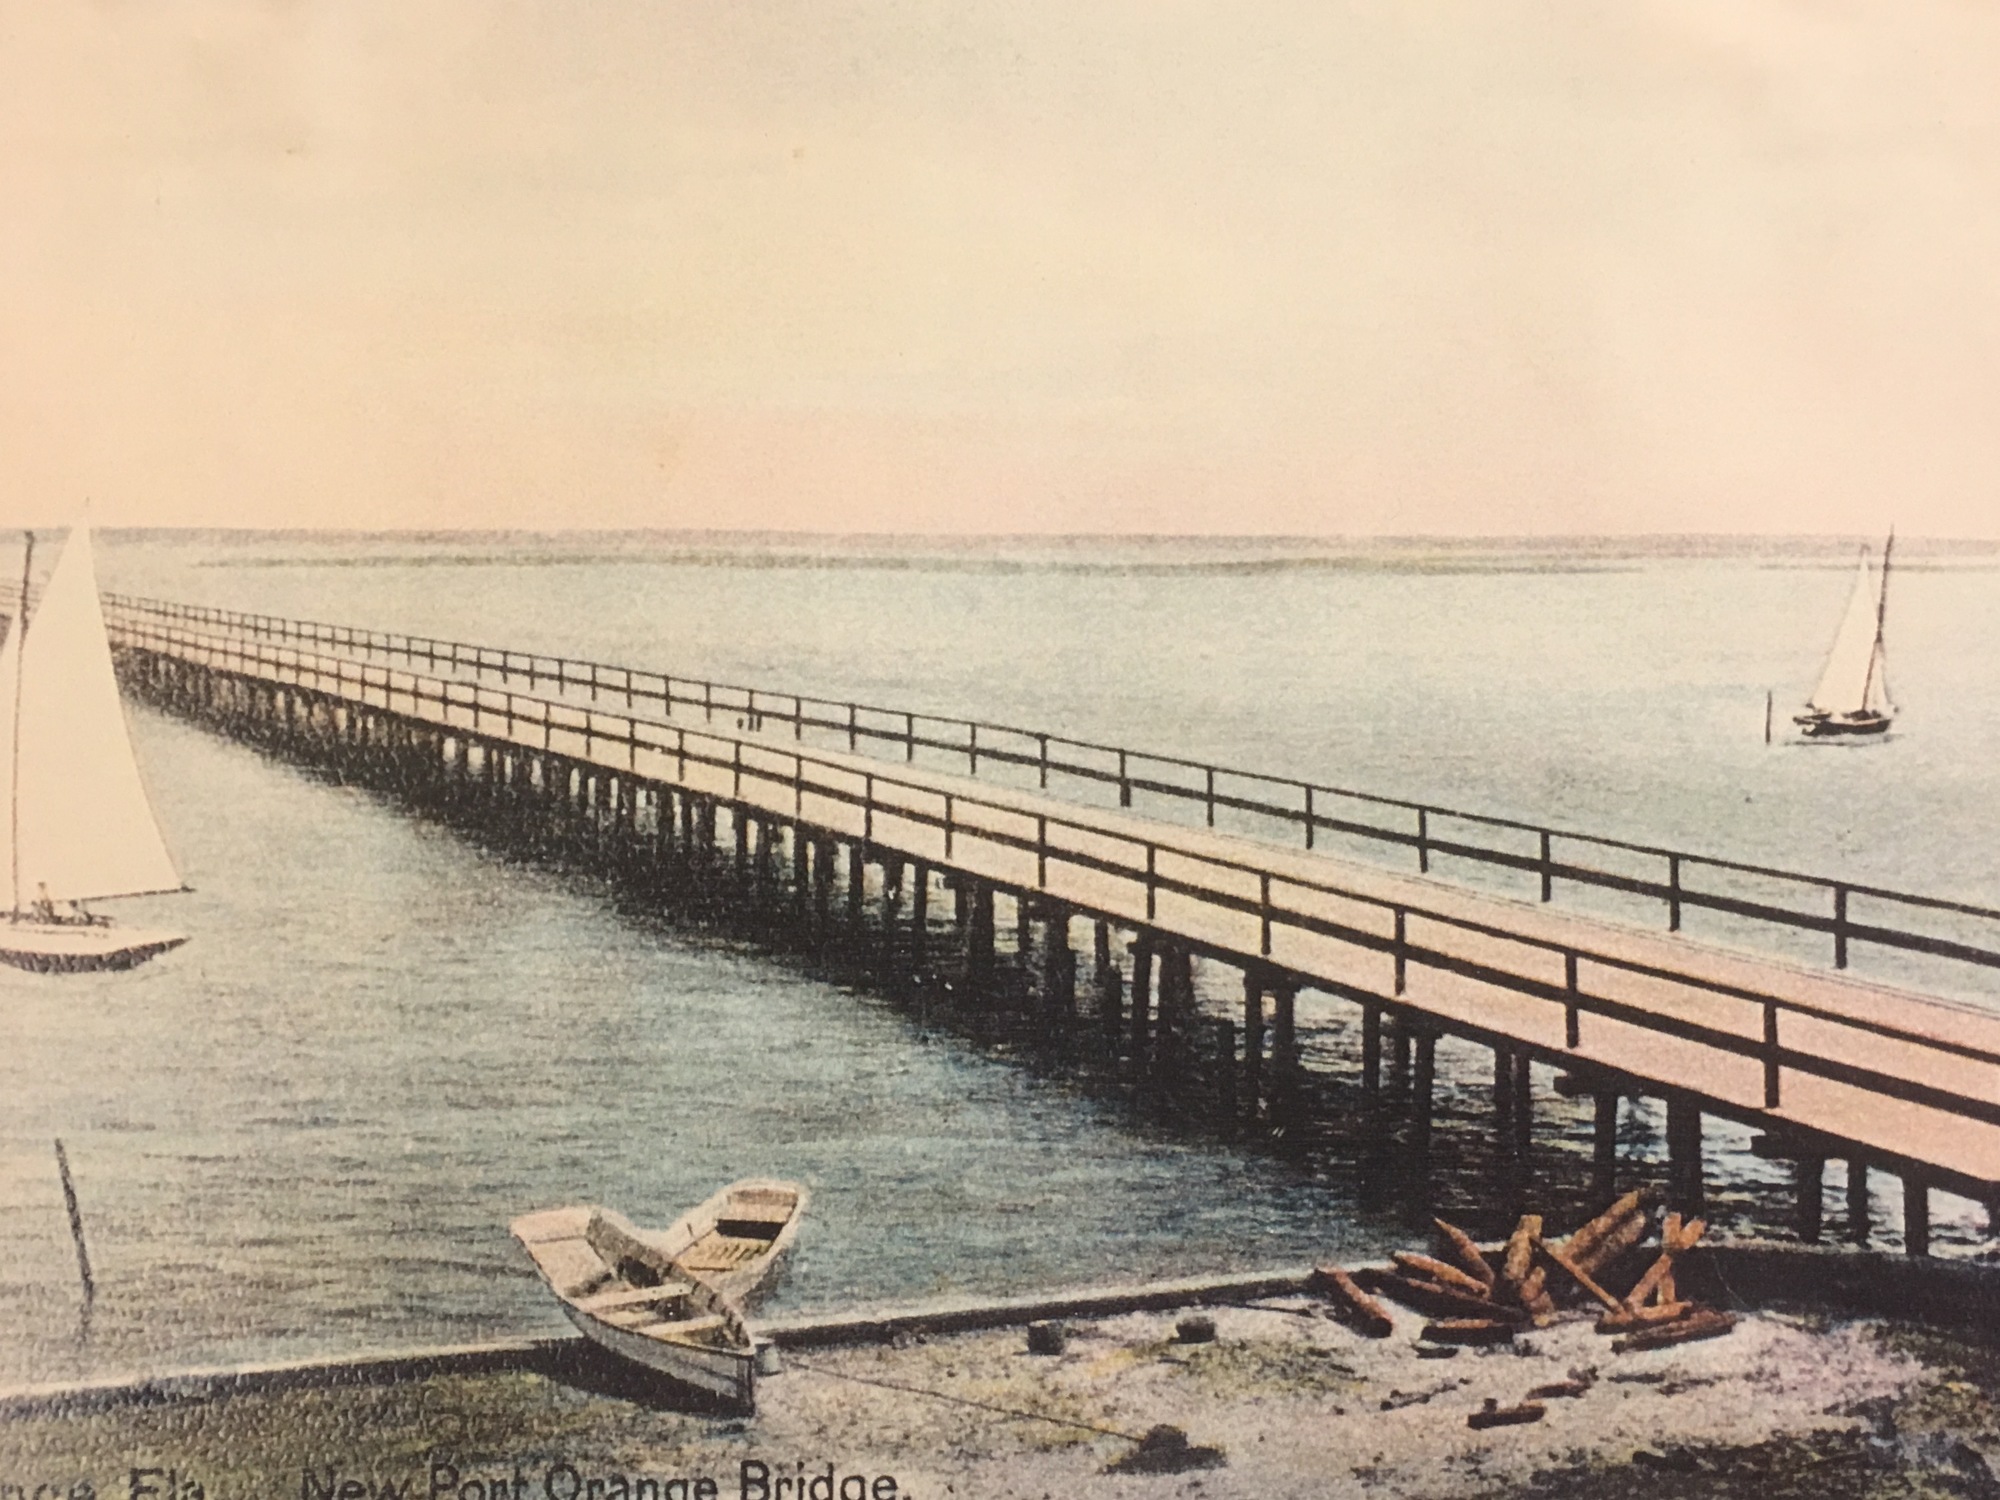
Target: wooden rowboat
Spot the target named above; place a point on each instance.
(669, 1300)
(735, 1239)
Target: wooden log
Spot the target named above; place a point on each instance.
(1352, 1304)
(1658, 1275)
(1493, 1414)
(1689, 1235)
(1437, 1270)
(1470, 1256)
(1470, 1331)
(1702, 1323)
(1582, 1246)
(1629, 1318)
(1519, 1257)
(1521, 1281)
(1439, 1301)
(1560, 1389)
(1627, 1233)
(1658, 1282)
(1561, 1261)
(1534, 1294)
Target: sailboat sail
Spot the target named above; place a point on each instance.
(84, 826)
(1852, 681)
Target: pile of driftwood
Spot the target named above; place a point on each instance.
(1476, 1296)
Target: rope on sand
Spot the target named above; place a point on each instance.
(1005, 1411)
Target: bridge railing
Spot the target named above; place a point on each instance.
(1840, 913)
(882, 805)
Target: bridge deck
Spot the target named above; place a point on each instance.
(1849, 1068)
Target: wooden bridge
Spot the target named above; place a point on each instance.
(1826, 1065)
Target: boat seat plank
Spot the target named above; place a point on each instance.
(721, 1254)
(682, 1328)
(640, 1296)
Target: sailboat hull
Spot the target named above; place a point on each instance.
(1829, 726)
(80, 948)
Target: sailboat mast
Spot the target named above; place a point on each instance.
(14, 776)
(1881, 618)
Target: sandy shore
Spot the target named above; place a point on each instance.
(1290, 1403)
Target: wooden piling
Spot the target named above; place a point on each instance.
(1371, 1052)
(1058, 963)
(1142, 999)
(1284, 1056)
(920, 912)
(1916, 1215)
(1684, 1169)
(801, 870)
(1524, 1107)
(1604, 1146)
(822, 870)
(1227, 1104)
(1173, 1002)
(762, 863)
(978, 929)
(1253, 1041)
(1424, 1075)
(75, 1223)
(1857, 1200)
(1110, 986)
(1812, 1196)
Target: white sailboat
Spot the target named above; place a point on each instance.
(1853, 693)
(78, 826)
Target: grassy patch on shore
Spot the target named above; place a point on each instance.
(260, 1443)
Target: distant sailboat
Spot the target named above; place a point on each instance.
(78, 826)
(1853, 693)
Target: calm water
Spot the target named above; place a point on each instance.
(305, 1130)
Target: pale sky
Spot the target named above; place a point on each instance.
(1042, 265)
